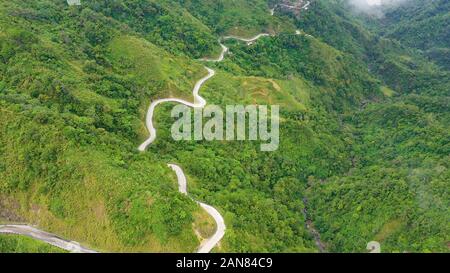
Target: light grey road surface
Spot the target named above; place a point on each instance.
(208, 244)
(46, 237)
(199, 102)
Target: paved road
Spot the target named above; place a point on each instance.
(298, 6)
(221, 55)
(199, 102)
(208, 244)
(247, 40)
(46, 237)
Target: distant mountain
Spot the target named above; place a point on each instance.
(424, 25)
(419, 24)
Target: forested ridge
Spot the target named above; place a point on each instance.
(364, 135)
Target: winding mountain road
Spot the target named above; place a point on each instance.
(295, 6)
(208, 244)
(199, 102)
(46, 237)
(221, 55)
(247, 40)
(211, 242)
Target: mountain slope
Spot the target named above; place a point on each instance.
(419, 24)
(364, 128)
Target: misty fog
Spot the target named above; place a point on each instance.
(375, 6)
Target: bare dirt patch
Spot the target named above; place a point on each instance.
(8, 210)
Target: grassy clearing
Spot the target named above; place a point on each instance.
(204, 224)
(387, 229)
(226, 88)
(156, 69)
(388, 92)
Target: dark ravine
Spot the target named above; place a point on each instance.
(312, 230)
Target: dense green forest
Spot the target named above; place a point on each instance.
(364, 133)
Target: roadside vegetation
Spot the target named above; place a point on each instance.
(20, 244)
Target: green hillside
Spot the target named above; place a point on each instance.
(364, 132)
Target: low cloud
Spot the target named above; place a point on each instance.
(374, 7)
